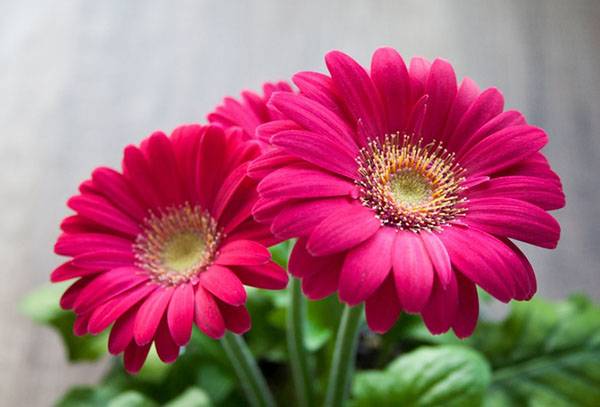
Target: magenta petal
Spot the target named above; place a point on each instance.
(116, 188)
(67, 271)
(228, 189)
(237, 319)
(515, 219)
(441, 88)
(343, 230)
(319, 87)
(302, 263)
(104, 213)
(382, 309)
(73, 244)
(314, 183)
(481, 258)
(417, 116)
(413, 271)
(224, 284)
(71, 294)
(164, 167)
(523, 275)
(137, 172)
(150, 313)
(542, 192)
(268, 276)
(108, 312)
(264, 210)
(269, 162)
(466, 94)
(439, 257)
(167, 349)
(322, 150)
(80, 325)
(106, 286)
(180, 315)
(313, 117)
(209, 169)
(487, 106)
(503, 149)
(390, 76)
(468, 308)
(242, 253)
(294, 220)
(358, 92)
(536, 165)
(503, 120)
(265, 131)
(105, 259)
(441, 311)
(418, 72)
(135, 356)
(366, 266)
(317, 286)
(121, 333)
(207, 315)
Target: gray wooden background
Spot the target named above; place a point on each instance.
(80, 79)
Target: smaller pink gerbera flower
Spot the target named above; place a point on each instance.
(248, 113)
(405, 189)
(168, 242)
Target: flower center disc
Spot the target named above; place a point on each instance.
(409, 185)
(409, 188)
(177, 244)
(183, 251)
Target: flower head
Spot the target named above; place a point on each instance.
(405, 188)
(167, 242)
(246, 114)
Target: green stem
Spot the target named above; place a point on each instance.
(252, 381)
(344, 356)
(295, 341)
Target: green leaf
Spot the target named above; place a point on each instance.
(428, 376)
(544, 354)
(131, 398)
(192, 397)
(42, 306)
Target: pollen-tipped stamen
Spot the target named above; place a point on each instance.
(177, 243)
(410, 185)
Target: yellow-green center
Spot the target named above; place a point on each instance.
(410, 185)
(183, 251)
(177, 243)
(409, 188)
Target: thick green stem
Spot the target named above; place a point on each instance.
(344, 357)
(296, 349)
(250, 376)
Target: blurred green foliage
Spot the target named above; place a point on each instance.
(543, 353)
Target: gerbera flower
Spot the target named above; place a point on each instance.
(249, 112)
(405, 189)
(168, 242)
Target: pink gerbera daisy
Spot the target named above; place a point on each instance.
(405, 189)
(249, 112)
(168, 242)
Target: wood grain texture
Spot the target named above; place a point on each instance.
(80, 79)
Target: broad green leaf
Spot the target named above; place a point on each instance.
(428, 376)
(192, 397)
(131, 399)
(42, 306)
(544, 354)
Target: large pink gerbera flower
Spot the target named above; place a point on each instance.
(248, 113)
(405, 189)
(168, 242)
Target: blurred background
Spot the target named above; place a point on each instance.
(79, 80)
